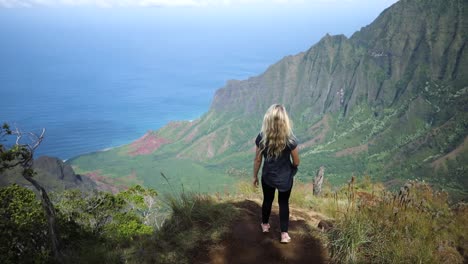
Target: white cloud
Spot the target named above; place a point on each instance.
(98, 3)
(123, 3)
(144, 3)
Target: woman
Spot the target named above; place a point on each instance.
(276, 144)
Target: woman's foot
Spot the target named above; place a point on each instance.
(285, 238)
(265, 227)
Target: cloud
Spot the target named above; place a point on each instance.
(163, 3)
(98, 3)
(143, 3)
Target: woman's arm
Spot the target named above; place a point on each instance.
(295, 157)
(257, 163)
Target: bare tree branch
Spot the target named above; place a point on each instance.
(18, 136)
(34, 139)
(38, 139)
(22, 154)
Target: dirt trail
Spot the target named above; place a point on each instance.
(247, 244)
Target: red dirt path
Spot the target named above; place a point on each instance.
(247, 244)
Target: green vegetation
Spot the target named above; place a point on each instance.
(20, 156)
(134, 226)
(369, 224)
(125, 171)
(22, 221)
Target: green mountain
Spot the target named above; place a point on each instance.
(390, 102)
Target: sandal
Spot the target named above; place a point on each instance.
(265, 227)
(285, 238)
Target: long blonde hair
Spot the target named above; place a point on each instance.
(276, 131)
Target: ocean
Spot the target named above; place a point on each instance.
(100, 78)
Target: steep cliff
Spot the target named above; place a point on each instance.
(390, 101)
(53, 174)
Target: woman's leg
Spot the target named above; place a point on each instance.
(283, 201)
(268, 196)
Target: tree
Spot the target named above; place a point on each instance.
(144, 202)
(21, 154)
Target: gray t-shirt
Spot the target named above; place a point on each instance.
(278, 173)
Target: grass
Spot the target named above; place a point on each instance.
(197, 222)
(379, 227)
(245, 189)
(144, 170)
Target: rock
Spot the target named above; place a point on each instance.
(53, 174)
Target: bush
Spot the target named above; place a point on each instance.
(23, 227)
(100, 226)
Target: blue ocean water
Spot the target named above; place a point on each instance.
(98, 78)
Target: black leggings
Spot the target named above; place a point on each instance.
(283, 201)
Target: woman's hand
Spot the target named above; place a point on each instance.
(255, 182)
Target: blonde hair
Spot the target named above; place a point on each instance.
(276, 131)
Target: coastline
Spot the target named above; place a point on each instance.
(129, 142)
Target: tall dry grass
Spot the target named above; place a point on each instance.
(415, 225)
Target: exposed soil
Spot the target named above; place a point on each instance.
(247, 244)
(147, 144)
(104, 183)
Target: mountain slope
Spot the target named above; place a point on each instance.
(390, 101)
(53, 174)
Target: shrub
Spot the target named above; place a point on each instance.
(23, 227)
(100, 226)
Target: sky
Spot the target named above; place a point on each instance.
(186, 3)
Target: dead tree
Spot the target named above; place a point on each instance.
(21, 154)
(318, 181)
